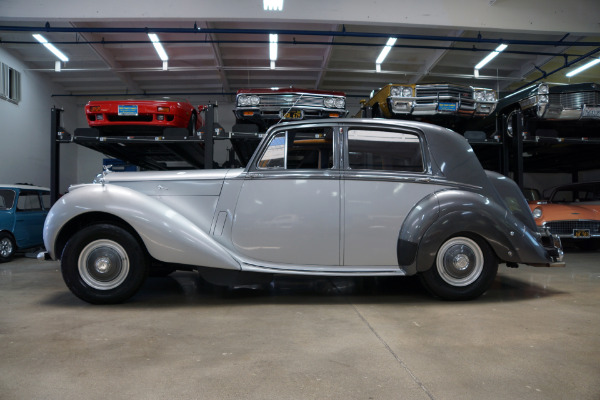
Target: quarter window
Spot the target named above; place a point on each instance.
(7, 199)
(384, 151)
(299, 149)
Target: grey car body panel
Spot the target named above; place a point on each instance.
(336, 221)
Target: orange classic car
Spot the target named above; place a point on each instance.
(573, 213)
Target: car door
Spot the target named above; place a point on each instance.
(385, 175)
(288, 211)
(30, 216)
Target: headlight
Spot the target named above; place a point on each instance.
(329, 102)
(490, 96)
(543, 98)
(479, 95)
(543, 89)
(254, 100)
(243, 100)
(537, 213)
(340, 102)
(401, 91)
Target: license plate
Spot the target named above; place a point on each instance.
(128, 110)
(447, 106)
(293, 114)
(590, 112)
(581, 233)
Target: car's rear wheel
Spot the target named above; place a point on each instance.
(104, 264)
(464, 268)
(7, 247)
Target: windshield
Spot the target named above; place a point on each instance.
(582, 194)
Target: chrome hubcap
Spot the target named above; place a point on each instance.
(6, 247)
(103, 264)
(460, 261)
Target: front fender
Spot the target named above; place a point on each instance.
(167, 235)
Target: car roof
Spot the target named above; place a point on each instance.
(22, 187)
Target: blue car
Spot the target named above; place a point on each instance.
(23, 209)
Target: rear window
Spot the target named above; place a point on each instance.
(384, 150)
(7, 199)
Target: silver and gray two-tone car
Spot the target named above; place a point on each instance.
(347, 197)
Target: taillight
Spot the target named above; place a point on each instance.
(94, 108)
(163, 109)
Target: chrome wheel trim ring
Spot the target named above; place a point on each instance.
(459, 261)
(6, 247)
(103, 264)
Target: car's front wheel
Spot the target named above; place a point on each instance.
(464, 268)
(7, 247)
(104, 264)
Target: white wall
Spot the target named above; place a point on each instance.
(25, 131)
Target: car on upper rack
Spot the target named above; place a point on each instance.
(573, 213)
(547, 110)
(332, 197)
(258, 109)
(23, 209)
(143, 117)
(446, 104)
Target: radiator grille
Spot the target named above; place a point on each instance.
(575, 100)
(465, 94)
(288, 100)
(567, 227)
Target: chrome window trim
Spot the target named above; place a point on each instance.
(253, 166)
(424, 156)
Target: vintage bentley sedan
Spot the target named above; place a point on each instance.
(347, 197)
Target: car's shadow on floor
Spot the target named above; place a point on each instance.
(188, 289)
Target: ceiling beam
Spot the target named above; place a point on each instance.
(110, 61)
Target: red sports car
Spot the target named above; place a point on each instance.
(142, 117)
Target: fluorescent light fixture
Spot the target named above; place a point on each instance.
(273, 5)
(165, 65)
(158, 47)
(377, 67)
(273, 46)
(57, 66)
(273, 39)
(491, 56)
(388, 46)
(51, 47)
(476, 73)
(583, 67)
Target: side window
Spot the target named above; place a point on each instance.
(299, 149)
(7, 199)
(45, 200)
(29, 201)
(384, 151)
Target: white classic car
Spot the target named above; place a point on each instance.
(347, 197)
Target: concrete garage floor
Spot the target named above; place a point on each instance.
(534, 335)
